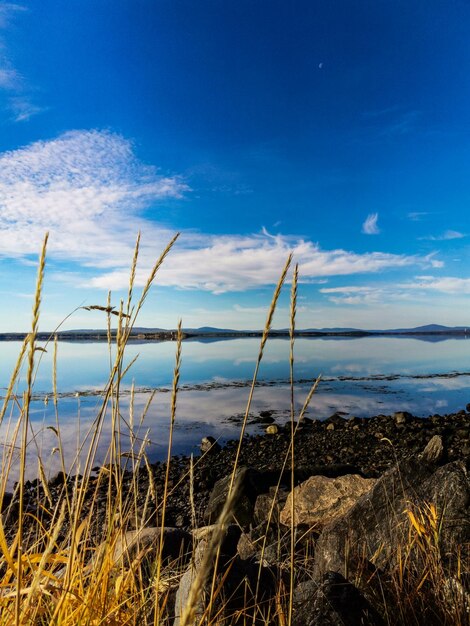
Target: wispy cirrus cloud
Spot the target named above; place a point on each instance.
(365, 294)
(8, 78)
(86, 188)
(89, 190)
(385, 294)
(14, 86)
(445, 236)
(417, 216)
(444, 284)
(370, 225)
(393, 121)
(23, 108)
(402, 124)
(7, 10)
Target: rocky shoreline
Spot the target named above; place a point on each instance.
(381, 458)
(367, 446)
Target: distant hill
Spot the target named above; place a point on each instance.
(334, 330)
(212, 329)
(430, 328)
(208, 330)
(428, 332)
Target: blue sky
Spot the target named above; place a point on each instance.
(339, 130)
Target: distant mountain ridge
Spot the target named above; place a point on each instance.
(210, 332)
(202, 330)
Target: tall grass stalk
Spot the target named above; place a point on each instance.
(264, 338)
(174, 395)
(25, 418)
(189, 612)
(293, 311)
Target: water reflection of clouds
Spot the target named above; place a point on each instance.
(354, 368)
(438, 383)
(208, 412)
(84, 368)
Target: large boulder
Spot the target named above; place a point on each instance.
(177, 545)
(243, 505)
(319, 500)
(202, 537)
(333, 602)
(264, 544)
(378, 526)
(268, 506)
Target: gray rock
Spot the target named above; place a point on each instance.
(434, 450)
(333, 602)
(269, 504)
(246, 547)
(320, 499)
(401, 417)
(202, 537)
(182, 593)
(266, 545)
(378, 523)
(243, 505)
(177, 544)
(209, 444)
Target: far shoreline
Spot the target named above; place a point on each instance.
(171, 335)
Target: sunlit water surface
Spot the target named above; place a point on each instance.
(361, 377)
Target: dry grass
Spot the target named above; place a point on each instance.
(67, 563)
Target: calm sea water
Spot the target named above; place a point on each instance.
(361, 377)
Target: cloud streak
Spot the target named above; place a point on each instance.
(233, 263)
(12, 83)
(445, 284)
(8, 78)
(391, 294)
(370, 226)
(89, 190)
(448, 235)
(417, 216)
(365, 294)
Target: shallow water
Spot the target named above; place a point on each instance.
(360, 377)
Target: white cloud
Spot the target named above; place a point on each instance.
(88, 189)
(446, 236)
(7, 9)
(8, 78)
(233, 263)
(367, 294)
(417, 216)
(399, 292)
(370, 226)
(445, 284)
(352, 289)
(19, 100)
(23, 109)
(432, 261)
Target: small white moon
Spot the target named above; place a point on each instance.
(320, 65)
